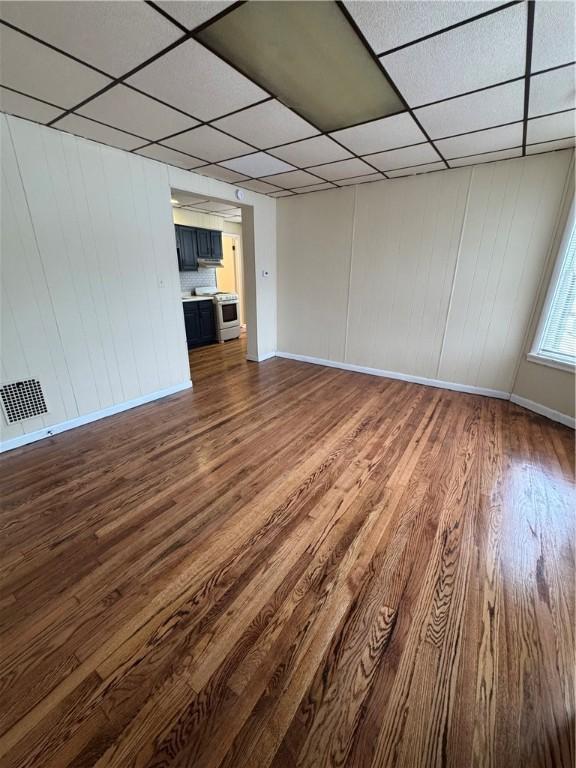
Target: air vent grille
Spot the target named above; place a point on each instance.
(22, 400)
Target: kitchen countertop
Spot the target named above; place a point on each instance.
(196, 298)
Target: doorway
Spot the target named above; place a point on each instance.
(229, 277)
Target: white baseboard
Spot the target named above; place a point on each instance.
(543, 410)
(261, 358)
(400, 376)
(32, 437)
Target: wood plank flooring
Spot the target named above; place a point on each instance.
(291, 566)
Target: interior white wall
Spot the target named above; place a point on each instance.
(90, 289)
(438, 279)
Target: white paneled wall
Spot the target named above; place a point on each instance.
(510, 221)
(90, 291)
(433, 276)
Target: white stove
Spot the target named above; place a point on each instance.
(226, 311)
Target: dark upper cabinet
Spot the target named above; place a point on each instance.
(187, 248)
(216, 245)
(204, 243)
(193, 243)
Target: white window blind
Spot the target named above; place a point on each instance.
(556, 339)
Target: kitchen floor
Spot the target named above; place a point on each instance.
(291, 565)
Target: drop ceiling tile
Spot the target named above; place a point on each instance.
(552, 91)
(378, 135)
(360, 179)
(551, 127)
(504, 104)
(81, 126)
(343, 169)
(258, 164)
(283, 193)
(553, 42)
(208, 143)
(23, 106)
(293, 179)
(193, 14)
(389, 23)
(190, 201)
(235, 219)
(232, 213)
(405, 157)
(550, 146)
(259, 186)
(314, 188)
(484, 141)
(220, 173)
(214, 206)
(131, 111)
(39, 71)
(482, 53)
(170, 156)
(267, 125)
(320, 149)
(113, 36)
(503, 154)
(426, 168)
(214, 88)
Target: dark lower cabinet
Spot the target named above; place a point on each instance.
(199, 323)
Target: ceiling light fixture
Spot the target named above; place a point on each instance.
(308, 55)
(173, 201)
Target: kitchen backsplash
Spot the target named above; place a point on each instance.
(203, 277)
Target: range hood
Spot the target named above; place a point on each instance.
(209, 263)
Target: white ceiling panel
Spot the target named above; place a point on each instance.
(550, 146)
(184, 198)
(222, 174)
(113, 36)
(131, 111)
(489, 157)
(209, 144)
(293, 179)
(260, 186)
(193, 79)
(552, 91)
(315, 151)
(551, 127)
(39, 71)
(170, 156)
(23, 106)
(267, 125)
(390, 23)
(314, 188)
(426, 168)
(192, 14)
(81, 126)
(403, 158)
(282, 193)
(258, 164)
(554, 36)
(504, 104)
(482, 53)
(484, 141)
(379, 135)
(360, 180)
(214, 206)
(342, 170)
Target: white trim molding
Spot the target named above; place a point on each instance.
(261, 358)
(400, 376)
(543, 410)
(32, 437)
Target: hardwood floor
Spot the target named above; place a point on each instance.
(291, 566)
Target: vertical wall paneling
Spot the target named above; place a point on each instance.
(511, 216)
(444, 270)
(314, 252)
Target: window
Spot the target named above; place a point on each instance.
(555, 340)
